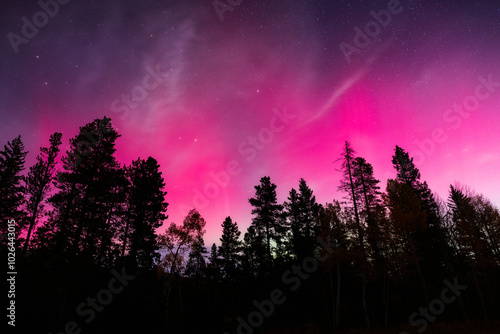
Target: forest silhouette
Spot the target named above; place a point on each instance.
(381, 259)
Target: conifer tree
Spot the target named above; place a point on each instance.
(408, 173)
(254, 253)
(407, 222)
(214, 266)
(196, 265)
(333, 231)
(367, 188)
(302, 212)
(145, 211)
(86, 209)
(473, 228)
(230, 248)
(267, 222)
(292, 213)
(12, 189)
(213, 259)
(38, 182)
(348, 185)
(432, 240)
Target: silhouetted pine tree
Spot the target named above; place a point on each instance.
(432, 240)
(214, 271)
(230, 249)
(38, 182)
(302, 214)
(489, 220)
(408, 173)
(333, 232)
(473, 230)
(472, 226)
(267, 223)
(366, 186)
(348, 185)
(196, 265)
(86, 208)
(144, 211)
(407, 220)
(292, 215)
(254, 253)
(12, 189)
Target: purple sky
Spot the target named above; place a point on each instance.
(268, 90)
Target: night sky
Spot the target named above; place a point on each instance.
(261, 88)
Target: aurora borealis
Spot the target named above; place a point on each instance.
(268, 90)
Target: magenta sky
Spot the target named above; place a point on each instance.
(221, 82)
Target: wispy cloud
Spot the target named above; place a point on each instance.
(350, 81)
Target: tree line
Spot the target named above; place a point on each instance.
(389, 251)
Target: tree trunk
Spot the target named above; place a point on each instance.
(169, 288)
(422, 283)
(365, 308)
(481, 298)
(491, 294)
(126, 234)
(337, 306)
(32, 224)
(36, 204)
(385, 300)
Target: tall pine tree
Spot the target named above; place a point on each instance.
(302, 213)
(267, 222)
(12, 189)
(38, 182)
(372, 211)
(145, 211)
(230, 248)
(348, 185)
(432, 240)
(87, 207)
(196, 265)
